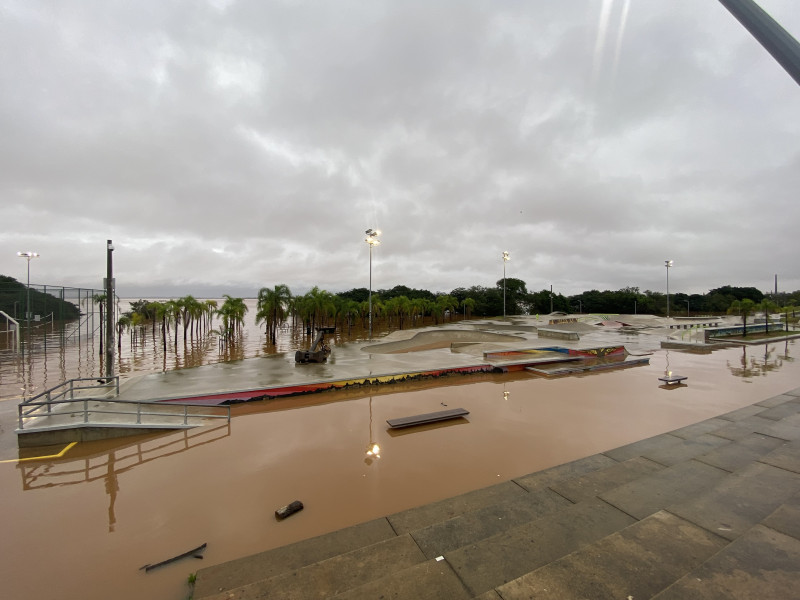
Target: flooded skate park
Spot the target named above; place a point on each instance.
(80, 521)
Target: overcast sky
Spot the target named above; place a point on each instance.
(229, 145)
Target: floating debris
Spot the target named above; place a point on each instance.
(196, 553)
(433, 417)
(288, 510)
(671, 379)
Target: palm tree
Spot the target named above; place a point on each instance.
(153, 313)
(448, 304)
(232, 312)
(273, 306)
(209, 308)
(744, 308)
(189, 308)
(173, 315)
(766, 305)
(323, 305)
(138, 321)
(160, 314)
(351, 311)
(392, 309)
(786, 310)
(123, 324)
(418, 308)
(101, 300)
(468, 304)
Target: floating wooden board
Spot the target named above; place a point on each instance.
(442, 415)
(670, 379)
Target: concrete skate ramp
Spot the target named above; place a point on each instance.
(430, 340)
(578, 327)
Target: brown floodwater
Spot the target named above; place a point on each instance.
(81, 526)
(58, 351)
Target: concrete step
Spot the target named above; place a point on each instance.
(431, 580)
(334, 575)
(473, 526)
(731, 507)
(499, 559)
(436, 528)
(270, 563)
(686, 550)
(761, 563)
(637, 562)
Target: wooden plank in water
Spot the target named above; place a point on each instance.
(671, 379)
(441, 415)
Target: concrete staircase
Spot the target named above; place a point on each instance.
(708, 511)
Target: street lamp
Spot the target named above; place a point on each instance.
(506, 258)
(668, 264)
(28, 256)
(687, 308)
(372, 240)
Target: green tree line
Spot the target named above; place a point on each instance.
(14, 299)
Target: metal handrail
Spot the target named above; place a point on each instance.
(133, 408)
(97, 383)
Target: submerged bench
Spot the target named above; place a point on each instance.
(671, 379)
(441, 415)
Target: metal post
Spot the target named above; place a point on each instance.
(28, 256)
(370, 291)
(109, 311)
(668, 264)
(372, 240)
(774, 38)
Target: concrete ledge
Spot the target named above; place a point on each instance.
(558, 334)
(48, 437)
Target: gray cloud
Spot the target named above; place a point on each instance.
(240, 144)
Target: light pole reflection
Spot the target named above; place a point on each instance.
(373, 451)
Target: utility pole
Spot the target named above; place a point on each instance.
(109, 310)
(769, 33)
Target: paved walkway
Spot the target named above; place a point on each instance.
(709, 511)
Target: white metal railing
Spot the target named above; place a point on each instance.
(57, 402)
(68, 389)
(14, 329)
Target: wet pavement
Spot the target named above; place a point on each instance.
(458, 346)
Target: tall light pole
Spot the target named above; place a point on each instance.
(668, 264)
(110, 293)
(687, 308)
(372, 240)
(28, 256)
(506, 258)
